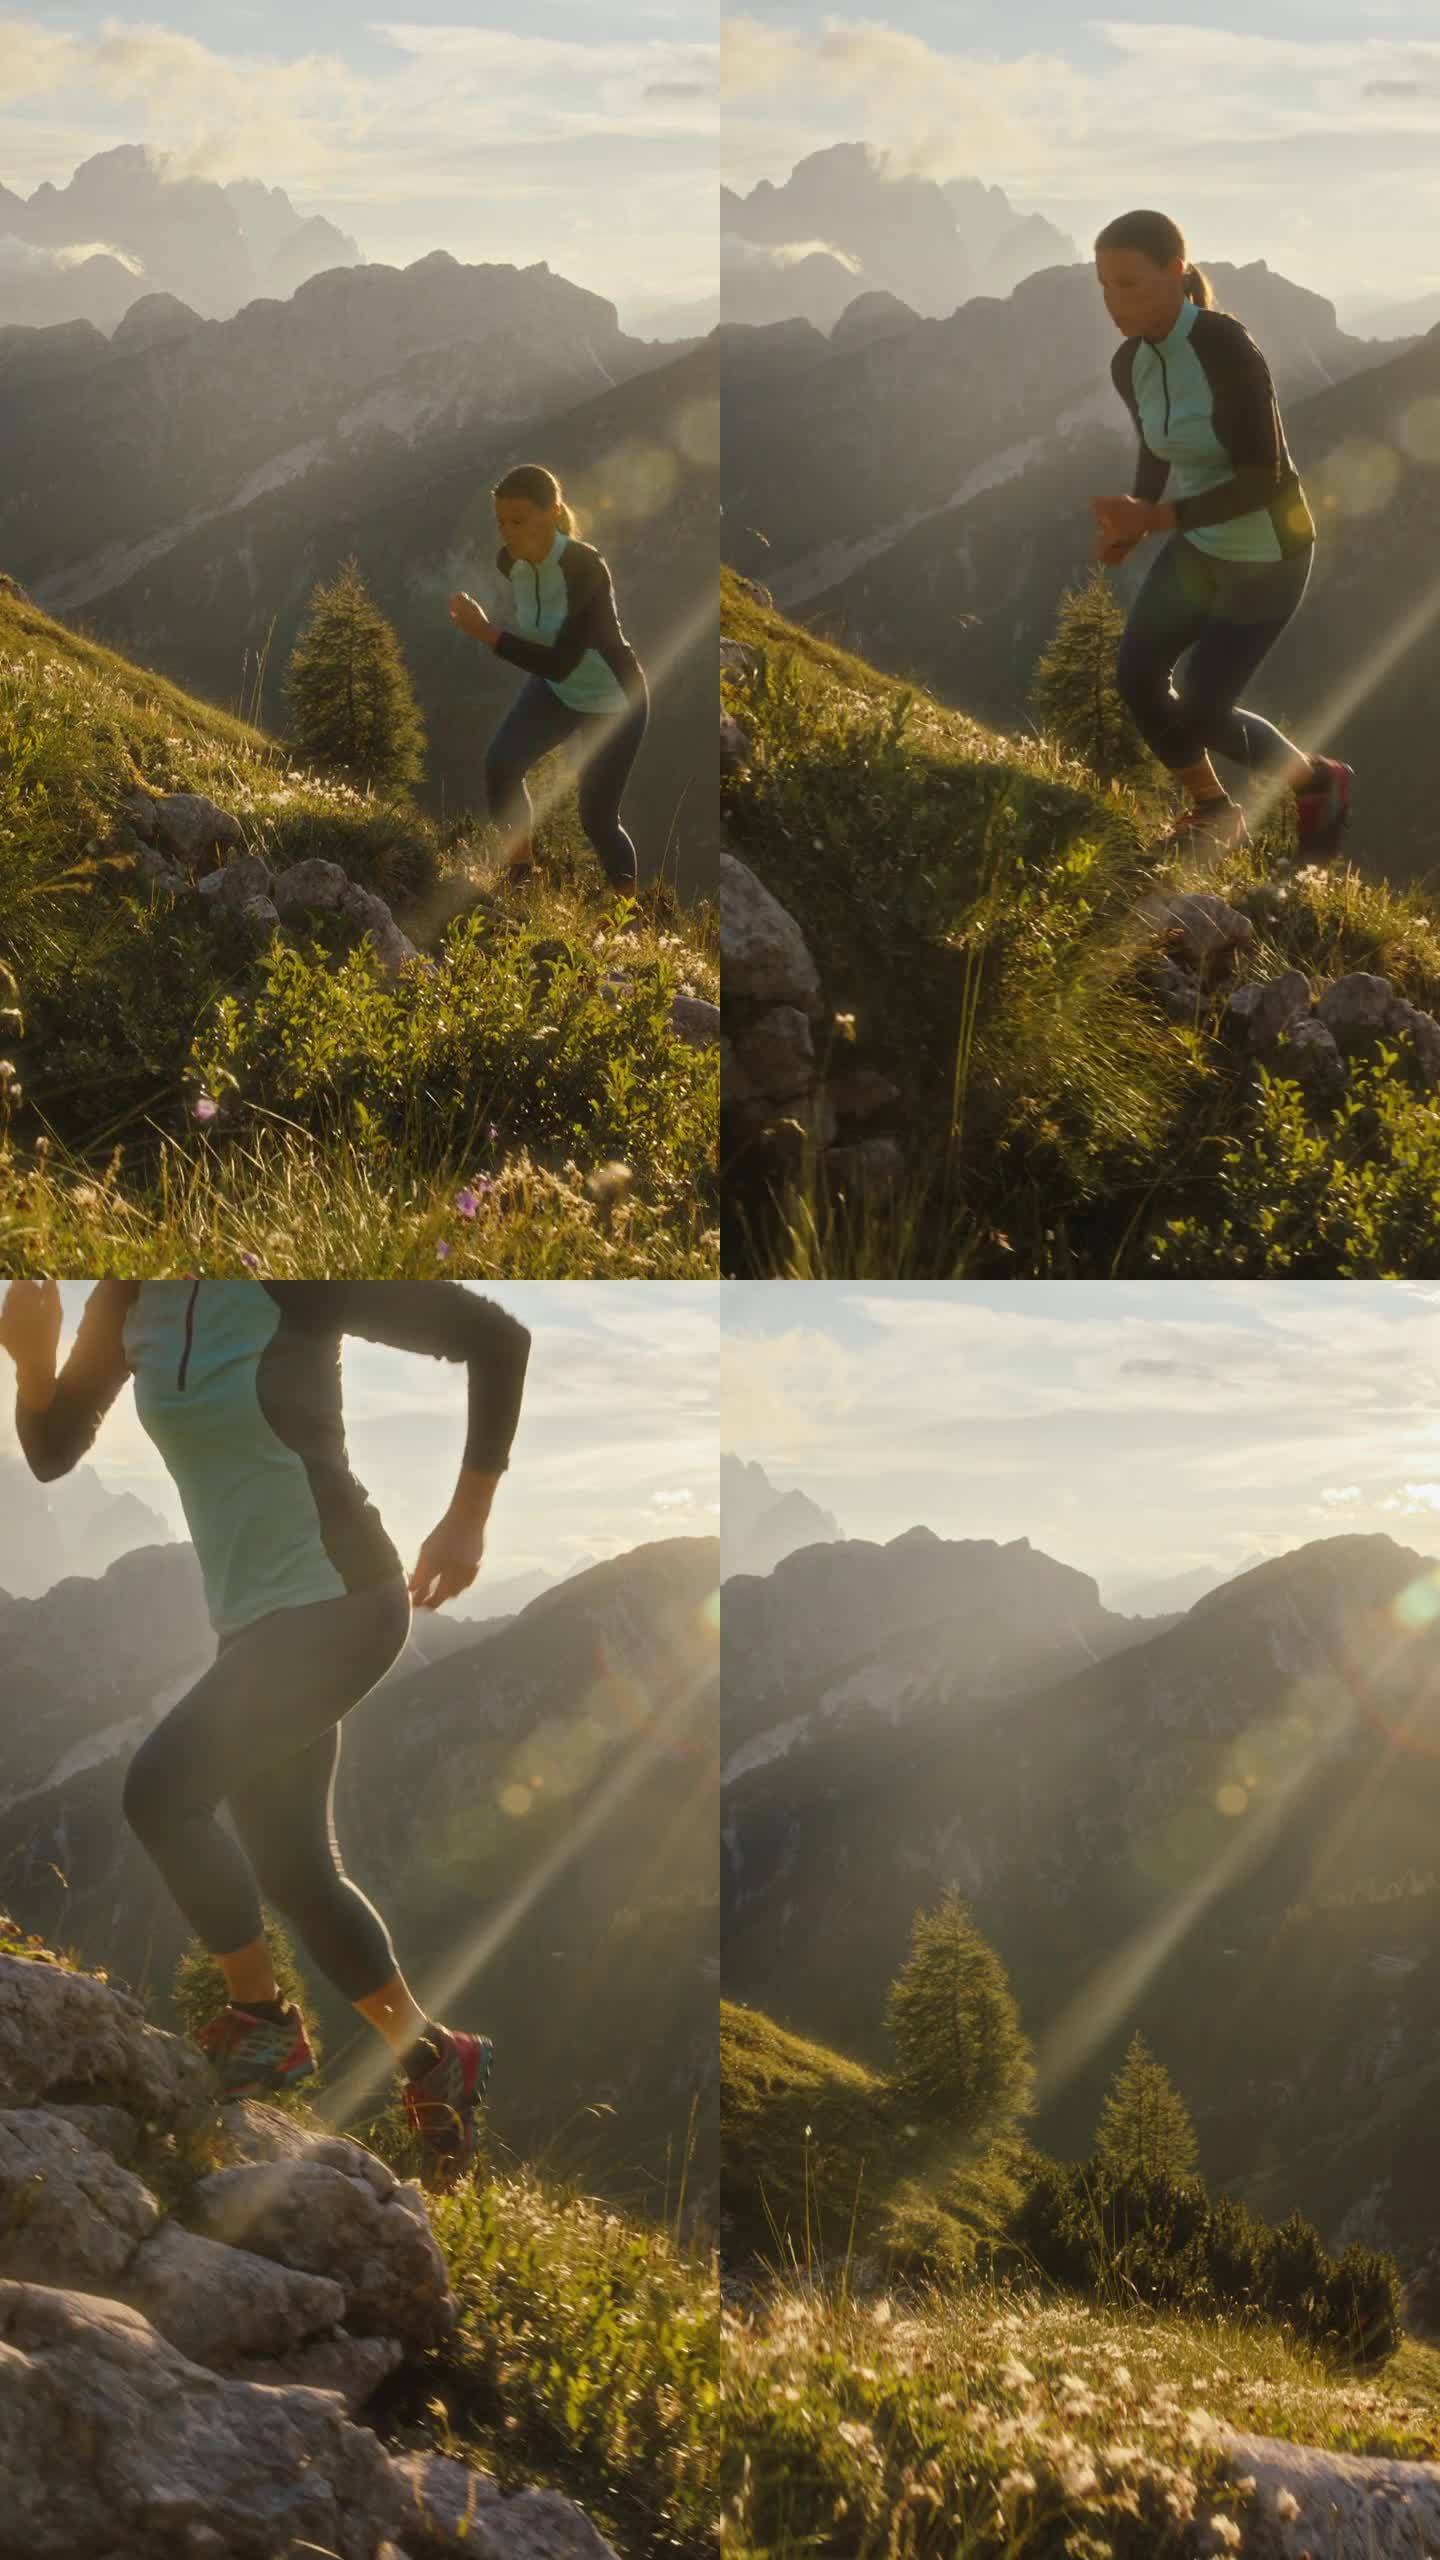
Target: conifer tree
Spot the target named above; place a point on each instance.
(963, 2058)
(354, 704)
(1145, 2124)
(1074, 693)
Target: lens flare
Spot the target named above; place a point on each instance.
(1360, 476)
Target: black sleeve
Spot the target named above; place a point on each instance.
(88, 1383)
(445, 1320)
(588, 625)
(1246, 419)
(1151, 470)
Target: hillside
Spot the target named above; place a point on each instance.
(977, 1029)
(199, 1072)
(1222, 1833)
(561, 1765)
(228, 2323)
(967, 600)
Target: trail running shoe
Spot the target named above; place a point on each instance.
(1212, 825)
(1322, 811)
(257, 2057)
(443, 2106)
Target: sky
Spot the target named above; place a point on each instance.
(587, 138)
(617, 1442)
(1137, 1430)
(1306, 132)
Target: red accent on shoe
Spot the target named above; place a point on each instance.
(256, 2057)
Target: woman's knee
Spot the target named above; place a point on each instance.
(148, 1797)
(504, 783)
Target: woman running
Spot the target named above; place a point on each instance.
(1241, 540)
(237, 1383)
(585, 680)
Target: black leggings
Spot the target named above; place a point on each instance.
(261, 1728)
(1228, 615)
(536, 723)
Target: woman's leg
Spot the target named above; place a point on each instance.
(604, 771)
(266, 1711)
(1253, 607)
(1167, 617)
(536, 722)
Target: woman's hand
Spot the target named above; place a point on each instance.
(30, 1321)
(1110, 552)
(473, 619)
(448, 1561)
(1128, 520)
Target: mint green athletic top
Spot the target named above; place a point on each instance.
(237, 1382)
(1204, 406)
(564, 627)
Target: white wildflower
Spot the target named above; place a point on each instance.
(1226, 2532)
(1287, 2504)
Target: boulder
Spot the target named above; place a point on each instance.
(1204, 930)
(69, 2214)
(763, 953)
(355, 2367)
(734, 744)
(1423, 1033)
(457, 2509)
(189, 826)
(695, 1021)
(313, 883)
(1354, 1009)
(775, 1052)
(1267, 1011)
(1309, 1053)
(62, 2031)
(735, 1085)
(735, 659)
(218, 2305)
(115, 2446)
(261, 917)
(331, 2208)
(236, 883)
(1314, 2502)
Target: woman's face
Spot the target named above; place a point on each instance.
(526, 529)
(1142, 297)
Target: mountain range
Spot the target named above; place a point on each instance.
(1218, 1828)
(125, 225)
(536, 1796)
(847, 222)
(760, 1525)
(184, 486)
(76, 1526)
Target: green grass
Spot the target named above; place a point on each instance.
(972, 902)
(987, 2425)
(352, 1110)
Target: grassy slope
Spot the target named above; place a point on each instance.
(353, 1110)
(585, 2358)
(971, 899)
(951, 2421)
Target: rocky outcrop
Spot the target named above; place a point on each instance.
(1343, 2505)
(787, 1085)
(184, 2382)
(181, 830)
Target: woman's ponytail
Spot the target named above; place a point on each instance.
(566, 514)
(1197, 287)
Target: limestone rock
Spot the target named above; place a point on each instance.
(735, 1085)
(115, 2446)
(1370, 2505)
(219, 2304)
(67, 2032)
(69, 2214)
(457, 2509)
(734, 744)
(332, 2214)
(1267, 1011)
(236, 883)
(1423, 1033)
(1309, 1053)
(763, 953)
(313, 883)
(735, 658)
(189, 826)
(355, 2367)
(859, 1092)
(776, 1052)
(1354, 1009)
(1206, 931)
(262, 918)
(695, 1021)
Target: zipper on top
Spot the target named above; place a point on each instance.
(189, 1335)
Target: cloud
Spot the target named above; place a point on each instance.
(1340, 1493)
(23, 257)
